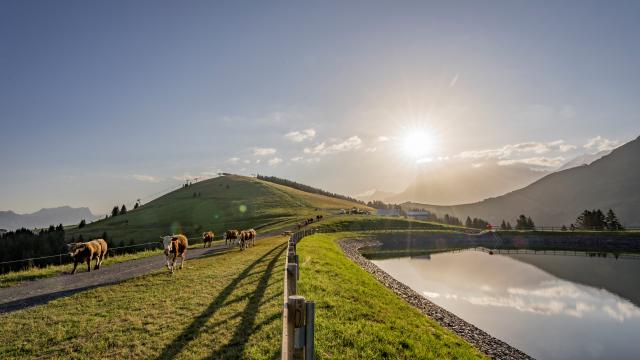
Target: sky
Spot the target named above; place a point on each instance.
(105, 102)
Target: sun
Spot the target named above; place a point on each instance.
(418, 144)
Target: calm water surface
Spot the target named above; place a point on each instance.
(549, 306)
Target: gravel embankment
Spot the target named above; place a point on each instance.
(486, 343)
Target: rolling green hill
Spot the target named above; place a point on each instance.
(227, 202)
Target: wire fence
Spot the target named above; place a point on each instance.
(65, 258)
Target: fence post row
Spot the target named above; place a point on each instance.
(298, 314)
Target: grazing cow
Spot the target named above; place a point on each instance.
(247, 238)
(231, 236)
(207, 238)
(85, 252)
(175, 246)
(318, 217)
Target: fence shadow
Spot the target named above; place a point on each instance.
(247, 326)
(178, 344)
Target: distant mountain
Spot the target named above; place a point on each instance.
(449, 184)
(584, 159)
(65, 215)
(610, 182)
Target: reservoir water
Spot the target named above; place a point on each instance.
(549, 306)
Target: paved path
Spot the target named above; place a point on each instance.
(31, 293)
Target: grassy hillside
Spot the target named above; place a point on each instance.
(362, 223)
(225, 306)
(217, 204)
(359, 318)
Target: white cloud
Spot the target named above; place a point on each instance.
(599, 143)
(383, 138)
(275, 161)
(302, 135)
(297, 159)
(263, 151)
(515, 149)
(233, 160)
(544, 162)
(371, 149)
(352, 143)
(145, 178)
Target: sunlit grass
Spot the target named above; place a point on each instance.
(359, 318)
(226, 306)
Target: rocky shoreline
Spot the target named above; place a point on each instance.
(484, 342)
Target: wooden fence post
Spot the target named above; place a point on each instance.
(297, 318)
(292, 276)
(309, 346)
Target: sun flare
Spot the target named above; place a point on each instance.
(418, 144)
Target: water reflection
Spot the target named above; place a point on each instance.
(516, 300)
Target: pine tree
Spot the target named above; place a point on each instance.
(564, 228)
(82, 224)
(509, 227)
(521, 222)
(468, 222)
(503, 226)
(137, 205)
(123, 210)
(530, 224)
(115, 211)
(612, 222)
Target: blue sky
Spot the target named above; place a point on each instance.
(103, 102)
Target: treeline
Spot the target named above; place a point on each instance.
(377, 204)
(307, 188)
(522, 223)
(429, 216)
(476, 223)
(24, 243)
(597, 220)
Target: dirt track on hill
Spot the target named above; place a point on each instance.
(37, 292)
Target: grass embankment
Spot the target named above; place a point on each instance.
(225, 306)
(226, 202)
(357, 317)
(370, 222)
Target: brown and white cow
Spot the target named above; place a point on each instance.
(87, 251)
(231, 236)
(207, 238)
(247, 238)
(175, 246)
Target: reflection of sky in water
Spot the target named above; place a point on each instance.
(545, 316)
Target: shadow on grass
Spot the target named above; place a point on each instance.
(247, 326)
(190, 333)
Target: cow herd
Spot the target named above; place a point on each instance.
(241, 238)
(308, 221)
(174, 246)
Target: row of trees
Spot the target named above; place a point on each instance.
(522, 223)
(24, 243)
(476, 223)
(307, 188)
(597, 220)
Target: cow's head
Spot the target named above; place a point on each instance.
(168, 243)
(75, 248)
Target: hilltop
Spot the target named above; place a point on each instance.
(217, 204)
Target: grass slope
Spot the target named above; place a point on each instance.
(358, 318)
(225, 306)
(227, 202)
(362, 223)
